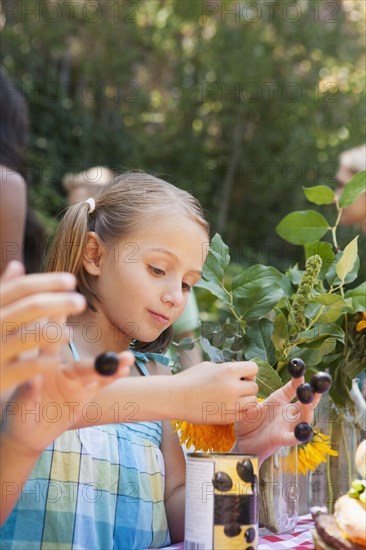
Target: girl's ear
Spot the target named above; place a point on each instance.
(92, 254)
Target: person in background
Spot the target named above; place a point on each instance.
(86, 184)
(22, 234)
(351, 162)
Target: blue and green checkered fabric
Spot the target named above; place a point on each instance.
(94, 488)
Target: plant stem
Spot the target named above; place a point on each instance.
(334, 228)
(329, 477)
(349, 466)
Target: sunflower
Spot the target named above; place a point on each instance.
(362, 323)
(313, 453)
(204, 437)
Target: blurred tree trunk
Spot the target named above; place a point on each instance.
(231, 173)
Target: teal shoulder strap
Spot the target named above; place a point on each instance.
(142, 358)
(74, 351)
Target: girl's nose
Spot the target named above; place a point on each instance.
(175, 297)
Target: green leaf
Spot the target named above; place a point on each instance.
(353, 189)
(331, 275)
(186, 343)
(256, 301)
(319, 194)
(267, 378)
(258, 341)
(330, 300)
(214, 354)
(295, 274)
(319, 332)
(218, 258)
(358, 297)
(347, 261)
(257, 275)
(325, 251)
(330, 314)
(215, 289)
(280, 332)
(312, 356)
(302, 227)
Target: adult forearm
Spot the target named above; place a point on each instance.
(16, 465)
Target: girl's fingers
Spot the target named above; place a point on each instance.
(13, 269)
(19, 372)
(307, 411)
(287, 392)
(34, 307)
(288, 438)
(20, 287)
(245, 370)
(248, 387)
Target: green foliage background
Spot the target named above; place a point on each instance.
(239, 107)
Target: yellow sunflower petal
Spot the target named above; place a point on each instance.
(314, 452)
(205, 437)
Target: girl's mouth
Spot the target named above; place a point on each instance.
(158, 317)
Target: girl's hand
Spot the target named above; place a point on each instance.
(30, 306)
(267, 426)
(212, 393)
(41, 410)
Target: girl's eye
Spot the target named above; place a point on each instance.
(186, 287)
(156, 270)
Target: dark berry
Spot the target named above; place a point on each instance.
(321, 382)
(249, 534)
(296, 368)
(107, 363)
(245, 471)
(232, 530)
(222, 481)
(303, 432)
(305, 393)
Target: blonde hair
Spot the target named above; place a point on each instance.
(122, 208)
(354, 159)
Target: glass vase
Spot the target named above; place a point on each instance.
(279, 492)
(333, 478)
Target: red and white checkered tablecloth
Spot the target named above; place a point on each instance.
(300, 539)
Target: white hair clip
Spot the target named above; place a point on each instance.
(91, 203)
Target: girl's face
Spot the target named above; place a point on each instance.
(143, 282)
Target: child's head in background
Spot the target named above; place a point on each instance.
(351, 162)
(135, 255)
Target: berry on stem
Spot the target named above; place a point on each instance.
(296, 368)
(305, 393)
(303, 432)
(321, 382)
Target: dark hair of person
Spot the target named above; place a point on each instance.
(13, 141)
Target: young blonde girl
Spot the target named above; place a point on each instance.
(119, 480)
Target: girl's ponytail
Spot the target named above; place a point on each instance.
(67, 250)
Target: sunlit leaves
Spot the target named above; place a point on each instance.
(302, 227)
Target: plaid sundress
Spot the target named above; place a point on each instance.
(96, 488)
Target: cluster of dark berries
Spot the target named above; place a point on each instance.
(320, 383)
